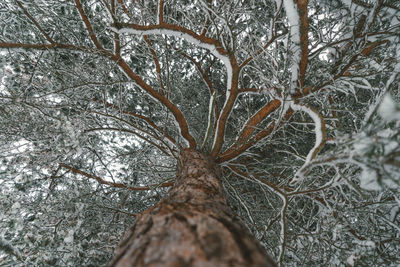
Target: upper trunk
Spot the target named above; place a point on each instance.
(192, 226)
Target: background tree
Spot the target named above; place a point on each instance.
(295, 100)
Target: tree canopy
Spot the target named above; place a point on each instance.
(296, 100)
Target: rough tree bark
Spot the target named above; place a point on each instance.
(192, 226)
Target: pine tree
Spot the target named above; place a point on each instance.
(214, 133)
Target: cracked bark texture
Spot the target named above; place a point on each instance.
(192, 226)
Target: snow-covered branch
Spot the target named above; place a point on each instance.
(320, 135)
(212, 45)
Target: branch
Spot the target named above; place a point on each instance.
(6, 247)
(130, 113)
(343, 72)
(231, 96)
(132, 132)
(117, 41)
(215, 47)
(256, 119)
(256, 179)
(34, 22)
(283, 227)
(237, 150)
(211, 107)
(320, 135)
(280, 193)
(46, 46)
(350, 41)
(156, 137)
(124, 8)
(155, 59)
(234, 152)
(160, 12)
(118, 185)
(243, 142)
(302, 8)
(211, 44)
(88, 25)
(208, 82)
(208, 21)
(202, 72)
(293, 17)
(120, 211)
(257, 53)
(178, 115)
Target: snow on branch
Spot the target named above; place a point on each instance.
(160, 11)
(293, 17)
(320, 136)
(212, 45)
(296, 12)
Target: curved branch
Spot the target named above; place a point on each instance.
(320, 131)
(211, 44)
(320, 135)
(178, 115)
(215, 47)
(119, 185)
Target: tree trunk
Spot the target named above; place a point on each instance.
(192, 226)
